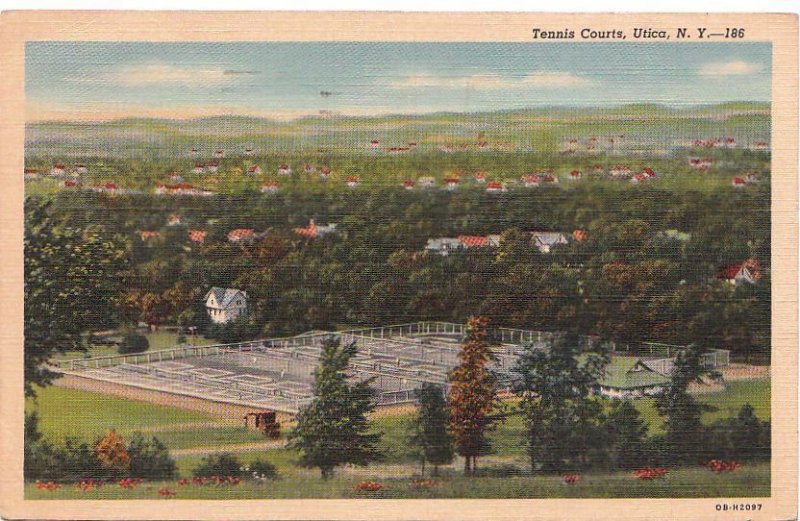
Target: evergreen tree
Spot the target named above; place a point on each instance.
(747, 434)
(563, 417)
(684, 431)
(472, 394)
(430, 428)
(626, 435)
(333, 429)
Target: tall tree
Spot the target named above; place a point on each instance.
(472, 396)
(683, 426)
(430, 428)
(626, 435)
(333, 430)
(71, 285)
(563, 417)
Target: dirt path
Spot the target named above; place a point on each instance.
(239, 447)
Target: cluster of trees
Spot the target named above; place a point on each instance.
(568, 426)
(626, 282)
(109, 457)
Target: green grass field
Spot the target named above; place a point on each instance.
(158, 341)
(87, 415)
(749, 481)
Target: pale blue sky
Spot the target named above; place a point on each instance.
(115, 79)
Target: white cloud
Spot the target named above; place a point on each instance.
(492, 81)
(155, 74)
(731, 68)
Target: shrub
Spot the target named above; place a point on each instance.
(369, 486)
(133, 343)
(262, 470)
(219, 465)
(112, 453)
(150, 459)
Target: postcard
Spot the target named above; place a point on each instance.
(349, 265)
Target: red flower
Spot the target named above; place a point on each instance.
(166, 492)
(424, 483)
(650, 473)
(369, 486)
(720, 466)
(571, 479)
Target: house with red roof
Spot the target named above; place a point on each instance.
(495, 186)
(199, 168)
(575, 175)
(174, 220)
(308, 168)
(197, 236)
(480, 177)
(146, 235)
(314, 230)
(269, 187)
(70, 183)
(284, 169)
(530, 180)
(254, 170)
(445, 245)
(761, 145)
(352, 181)
(325, 172)
(408, 184)
(737, 274)
(31, 173)
(58, 169)
(738, 182)
(241, 235)
(451, 183)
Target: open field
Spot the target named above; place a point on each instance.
(749, 481)
(158, 340)
(90, 414)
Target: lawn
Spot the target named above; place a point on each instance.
(749, 481)
(158, 341)
(88, 415)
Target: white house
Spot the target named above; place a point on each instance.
(225, 304)
(219, 154)
(284, 169)
(546, 240)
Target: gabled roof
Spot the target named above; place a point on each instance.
(630, 372)
(224, 296)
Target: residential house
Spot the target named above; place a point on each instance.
(219, 154)
(426, 181)
(738, 182)
(199, 168)
(197, 236)
(249, 152)
(325, 172)
(225, 304)
(574, 175)
(352, 181)
(495, 186)
(315, 230)
(284, 169)
(212, 167)
(408, 184)
(31, 173)
(545, 240)
(530, 180)
(737, 274)
(58, 169)
(630, 377)
(269, 187)
(254, 170)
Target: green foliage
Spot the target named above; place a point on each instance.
(132, 343)
(333, 430)
(741, 438)
(682, 412)
(626, 433)
(262, 470)
(150, 459)
(221, 465)
(429, 428)
(72, 282)
(564, 419)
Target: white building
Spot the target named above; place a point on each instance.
(225, 304)
(546, 240)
